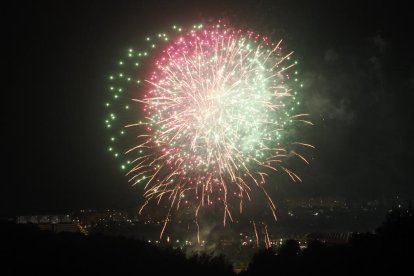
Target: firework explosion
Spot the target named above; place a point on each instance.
(216, 103)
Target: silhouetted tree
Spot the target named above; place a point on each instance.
(32, 251)
(262, 262)
(389, 250)
(290, 249)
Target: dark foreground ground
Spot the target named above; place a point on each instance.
(27, 250)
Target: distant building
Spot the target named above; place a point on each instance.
(331, 238)
(60, 227)
(53, 223)
(316, 202)
(7, 218)
(36, 219)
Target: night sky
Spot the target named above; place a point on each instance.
(356, 63)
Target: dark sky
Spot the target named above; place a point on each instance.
(356, 62)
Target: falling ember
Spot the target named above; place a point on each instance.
(217, 103)
(255, 233)
(267, 239)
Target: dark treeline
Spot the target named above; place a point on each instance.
(389, 249)
(27, 250)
